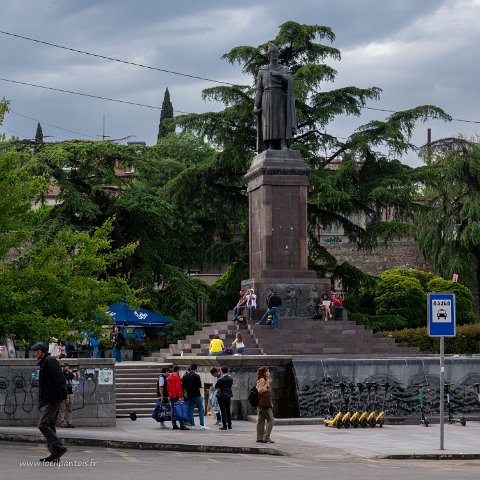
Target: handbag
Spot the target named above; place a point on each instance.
(265, 400)
(180, 411)
(213, 400)
(162, 411)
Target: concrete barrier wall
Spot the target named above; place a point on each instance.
(94, 394)
(319, 394)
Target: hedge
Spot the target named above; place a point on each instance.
(379, 323)
(466, 341)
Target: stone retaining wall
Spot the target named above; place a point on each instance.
(94, 394)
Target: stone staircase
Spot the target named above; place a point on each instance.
(135, 382)
(296, 336)
(136, 387)
(198, 343)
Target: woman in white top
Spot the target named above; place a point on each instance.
(238, 343)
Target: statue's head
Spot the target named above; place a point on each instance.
(272, 50)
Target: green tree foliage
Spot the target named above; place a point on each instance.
(449, 227)
(166, 126)
(19, 189)
(171, 233)
(369, 178)
(62, 287)
(3, 109)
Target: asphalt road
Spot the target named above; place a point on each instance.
(17, 461)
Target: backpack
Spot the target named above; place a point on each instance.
(253, 397)
(227, 351)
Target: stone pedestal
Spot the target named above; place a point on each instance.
(277, 188)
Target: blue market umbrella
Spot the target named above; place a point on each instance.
(121, 313)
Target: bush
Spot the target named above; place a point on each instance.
(463, 298)
(401, 295)
(466, 341)
(184, 325)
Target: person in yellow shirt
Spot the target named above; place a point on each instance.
(216, 346)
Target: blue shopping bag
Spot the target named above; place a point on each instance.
(162, 411)
(180, 411)
(156, 410)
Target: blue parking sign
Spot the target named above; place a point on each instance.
(441, 314)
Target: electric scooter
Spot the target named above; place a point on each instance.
(363, 420)
(423, 417)
(451, 419)
(355, 418)
(344, 421)
(380, 418)
(372, 416)
(335, 420)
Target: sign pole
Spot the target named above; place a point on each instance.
(442, 386)
(441, 323)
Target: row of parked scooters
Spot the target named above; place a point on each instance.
(368, 416)
(365, 417)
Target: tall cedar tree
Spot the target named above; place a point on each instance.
(166, 115)
(449, 224)
(39, 134)
(369, 176)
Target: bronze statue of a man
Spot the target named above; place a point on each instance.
(275, 104)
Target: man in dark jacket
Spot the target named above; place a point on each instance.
(224, 394)
(192, 384)
(52, 391)
(274, 303)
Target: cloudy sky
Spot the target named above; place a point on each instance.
(417, 51)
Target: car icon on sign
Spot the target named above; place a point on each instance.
(441, 314)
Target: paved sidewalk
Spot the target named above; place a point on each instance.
(314, 441)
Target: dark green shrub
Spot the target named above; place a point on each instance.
(463, 298)
(184, 325)
(223, 294)
(401, 295)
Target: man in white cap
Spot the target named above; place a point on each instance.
(52, 391)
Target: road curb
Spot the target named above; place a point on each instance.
(432, 456)
(165, 446)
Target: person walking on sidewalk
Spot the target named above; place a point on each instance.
(192, 384)
(274, 302)
(175, 394)
(213, 400)
(118, 341)
(162, 391)
(265, 406)
(52, 391)
(224, 394)
(65, 411)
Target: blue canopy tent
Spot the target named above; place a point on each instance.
(121, 313)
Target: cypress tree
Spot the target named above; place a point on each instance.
(39, 134)
(165, 114)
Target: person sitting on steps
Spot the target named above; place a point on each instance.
(274, 302)
(338, 305)
(240, 306)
